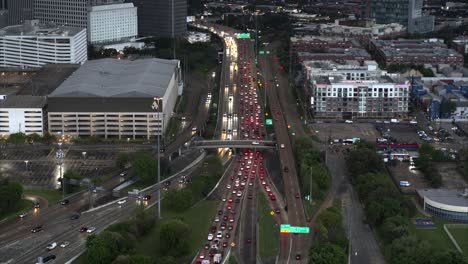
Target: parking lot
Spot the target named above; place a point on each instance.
(326, 131)
(402, 133)
(400, 172)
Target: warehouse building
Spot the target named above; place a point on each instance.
(34, 45)
(450, 204)
(415, 52)
(116, 99)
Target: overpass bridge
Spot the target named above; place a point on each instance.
(258, 144)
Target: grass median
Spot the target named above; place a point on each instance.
(198, 218)
(52, 196)
(269, 230)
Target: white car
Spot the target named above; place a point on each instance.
(239, 194)
(282, 146)
(210, 237)
(228, 186)
(216, 219)
(51, 246)
(91, 229)
(255, 143)
(22, 215)
(122, 201)
(348, 121)
(413, 122)
(64, 244)
(219, 234)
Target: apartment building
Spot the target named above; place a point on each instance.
(358, 90)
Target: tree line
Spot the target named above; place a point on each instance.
(389, 212)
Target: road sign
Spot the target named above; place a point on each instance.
(261, 52)
(243, 35)
(233, 244)
(267, 52)
(272, 212)
(294, 229)
(269, 121)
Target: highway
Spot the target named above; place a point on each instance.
(300, 242)
(20, 245)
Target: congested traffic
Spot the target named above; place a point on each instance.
(242, 118)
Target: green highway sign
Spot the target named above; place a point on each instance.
(261, 52)
(294, 229)
(243, 35)
(267, 52)
(269, 121)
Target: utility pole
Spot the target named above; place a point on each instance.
(156, 106)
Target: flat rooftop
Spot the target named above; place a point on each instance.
(34, 28)
(119, 78)
(445, 196)
(23, 101)
(338, 52)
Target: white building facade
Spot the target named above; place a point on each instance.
(354, 91)
(22, 114)
(31, 45)
(112, 23)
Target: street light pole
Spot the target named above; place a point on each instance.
(60, 157)
(156, 106)
(310, 191)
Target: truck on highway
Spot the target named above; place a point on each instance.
(217, 258)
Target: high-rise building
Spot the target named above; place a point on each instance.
(34, 45)
(162, 18)
(112, 23)
(19, 11)
(405, 12)
(72, 13)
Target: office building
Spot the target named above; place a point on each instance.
(405, 12)
(33, 45)
(116, 99)
(19, 11)
(112, 23)
(162, 18)
(449, 204)
(415, 52)
(357, 90)
(72, 13)
(22, 114)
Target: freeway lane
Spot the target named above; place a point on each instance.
(296, 215)
(24, 246)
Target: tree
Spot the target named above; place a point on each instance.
(174, 233)
(394, 228)
(410, 250)
(447, 107)
(33, 138)
(362, 161)
(122, 160)
(10, 195)
(134, 259)
(103, 248)
(71, 178)
(17, 138)
(145, 168)
(178, 200)
(327, 254)
(48, 138)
